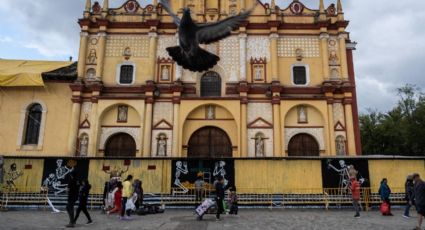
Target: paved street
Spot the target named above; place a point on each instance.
(184, 219)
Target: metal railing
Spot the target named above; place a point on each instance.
(23, 196)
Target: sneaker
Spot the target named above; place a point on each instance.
(217, 219)
(390, 214)
(407, 217)
(89, 222)
(70, 225)
(357, 216)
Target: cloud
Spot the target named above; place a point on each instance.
(5, 39)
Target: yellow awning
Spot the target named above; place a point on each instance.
(26, 73)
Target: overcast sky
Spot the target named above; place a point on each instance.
(390, 36)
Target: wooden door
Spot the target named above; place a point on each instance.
(303, 145)
(120, 145)
(209, 142)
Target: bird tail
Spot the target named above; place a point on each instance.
(201, 61)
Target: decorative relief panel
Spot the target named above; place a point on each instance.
(85, 110)
(317, 133)
(287, 46)
(263, 110)
(162, 111)
(229, 54)
(165, 41)
(158, 142)
(116, 44)
(258, 47)
(338, 110)
(107, 132)
(267, 141)
(333, 51)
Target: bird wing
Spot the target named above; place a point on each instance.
(212, 32)
(167, 8)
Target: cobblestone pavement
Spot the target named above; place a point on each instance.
(184, 219)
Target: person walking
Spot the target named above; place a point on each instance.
(199, 190)
(117, 200)
(138, 189)
(384, 192)
(419, 197)
(127, 193)
(83, 200)
(409, 191)
(72, 198)
(219, 189)
(355, 194)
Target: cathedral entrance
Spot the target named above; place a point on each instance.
(209, 142)
(303, 145)
(120, 145)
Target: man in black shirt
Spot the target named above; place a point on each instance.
(219, 189)
(72, 198)
(419, 193)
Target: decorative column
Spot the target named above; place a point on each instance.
(101, 55)
(277, 132)
(75, 118)
(147, 135)
(349, 127)
(152, 55)
(242, 56)
(324, 38)
(243, 94)
(94, 129)
(274, 57)
(177, 89)
(84, 36)
(331, 124)
(179, 69)
(343, 55)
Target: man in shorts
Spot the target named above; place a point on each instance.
(419, 193)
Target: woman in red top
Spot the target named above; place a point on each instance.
(117, 200)
(355, 192)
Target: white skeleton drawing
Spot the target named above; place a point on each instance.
(344, 174)
(54, 179)
(62, 171)
(181, 167)
(220, 171)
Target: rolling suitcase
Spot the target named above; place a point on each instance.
(203, 208)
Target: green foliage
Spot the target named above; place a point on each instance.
(400, 131)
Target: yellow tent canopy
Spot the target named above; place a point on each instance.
(26, 73)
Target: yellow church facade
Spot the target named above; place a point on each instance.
(284, 87)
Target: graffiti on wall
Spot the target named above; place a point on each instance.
(56, 173)
(11, 175)
(336, 173)
(185, 173)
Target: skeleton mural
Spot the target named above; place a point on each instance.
(345, 172)
(181, 167)
(56, 172)
(220, 171)
(11, 176)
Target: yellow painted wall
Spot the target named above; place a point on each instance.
(110, 70)
(314, 117)
(57, 98)
(395, 171)
(278, 176)
(315, 73)
(154, 181)
(31, 179)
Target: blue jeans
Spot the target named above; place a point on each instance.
(407, 209)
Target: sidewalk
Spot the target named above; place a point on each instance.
(184, 219)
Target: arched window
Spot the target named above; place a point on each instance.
(32, 130)
(211, 84)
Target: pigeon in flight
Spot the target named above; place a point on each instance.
(189, 55)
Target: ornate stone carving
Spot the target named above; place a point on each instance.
(83, 145)
(229, 54)
(258, 47)
(317, 133)
(163, 111)
(338, 110)
(157, 143)
(92, 57)
(253, 144)
(263, 110)
(115, 44)
(107, 132)
(340, 146)
(333, 51)
(165, 41)
(287, 46)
